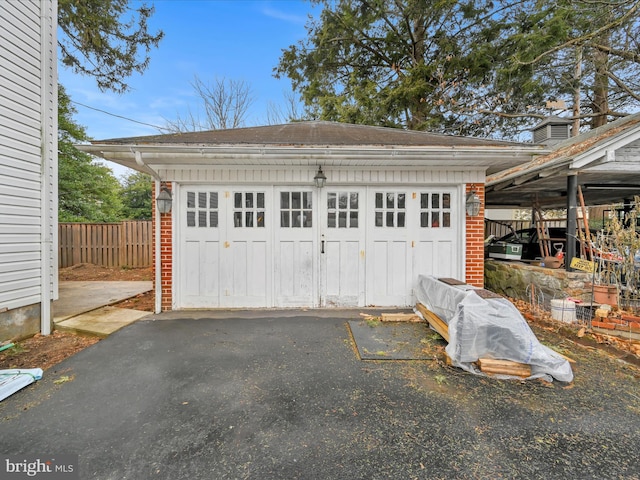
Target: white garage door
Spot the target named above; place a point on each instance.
(295, 247)
(224, 257)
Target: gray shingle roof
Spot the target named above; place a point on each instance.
(314, 133)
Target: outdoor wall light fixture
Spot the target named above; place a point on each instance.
(164, 200)
(472, 203)
(320, 179)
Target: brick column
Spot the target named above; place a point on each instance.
(475, 241)
(166, 252)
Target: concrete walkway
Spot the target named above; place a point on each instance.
(85, 307)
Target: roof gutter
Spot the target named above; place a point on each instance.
(148, 157)
(143, 166)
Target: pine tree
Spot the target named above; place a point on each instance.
(87, 190)
(106, 39)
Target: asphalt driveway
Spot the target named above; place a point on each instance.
(288, 398)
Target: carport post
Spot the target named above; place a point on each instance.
(572, 209)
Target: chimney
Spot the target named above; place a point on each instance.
(552, 130)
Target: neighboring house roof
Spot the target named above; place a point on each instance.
(606, 161)
(300, 143)
(554, 120)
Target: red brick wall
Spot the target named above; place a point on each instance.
(475, 242)
(166, 253)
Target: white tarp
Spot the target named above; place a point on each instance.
(488, 328)
(17, 378)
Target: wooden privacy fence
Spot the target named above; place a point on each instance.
(125, 244)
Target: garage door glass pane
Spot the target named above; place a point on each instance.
(331, 201)
(295, 209)
(435, 210)
(354, 201)
(248, 210)
(285, 219)
(284, 200)
(202, 209)
(390, 209)
(342, 210)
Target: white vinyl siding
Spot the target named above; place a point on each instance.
(28, 152)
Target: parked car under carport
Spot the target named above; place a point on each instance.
(528, 240)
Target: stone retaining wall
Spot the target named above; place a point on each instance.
(512, 279)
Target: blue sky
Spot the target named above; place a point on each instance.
(232, 39)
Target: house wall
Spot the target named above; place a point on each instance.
(28, 166)
(473, 226)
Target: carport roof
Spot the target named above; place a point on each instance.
(606, 161)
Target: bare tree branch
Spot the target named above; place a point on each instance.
(225, 103)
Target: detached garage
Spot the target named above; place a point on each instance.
(313, 214)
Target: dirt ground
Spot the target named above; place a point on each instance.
(88, 272)
(46, 351)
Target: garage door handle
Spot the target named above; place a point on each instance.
(322, 246)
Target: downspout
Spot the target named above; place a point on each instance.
(48, 173)
(158, 262)
(158, 267)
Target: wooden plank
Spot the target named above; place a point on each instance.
(504, 367)
(400, 317)
(568, 359)
(76, 233)
(451, 281)
(486, 294)
(123, 244)
(587, 232)
(436, 322)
